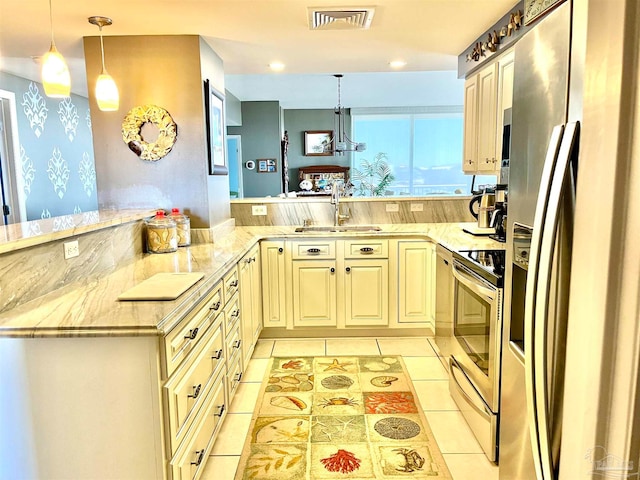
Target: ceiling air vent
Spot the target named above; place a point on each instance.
(340, 18)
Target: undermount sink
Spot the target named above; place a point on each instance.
(340, 228)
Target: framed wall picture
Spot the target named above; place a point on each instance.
(267, 165)
(215, 131)
(318, 143)
(534, 9)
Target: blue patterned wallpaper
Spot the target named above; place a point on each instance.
(56, 150)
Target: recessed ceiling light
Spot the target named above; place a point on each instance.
(397, 63)
(276, 66)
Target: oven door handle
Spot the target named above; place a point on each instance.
(473, 284)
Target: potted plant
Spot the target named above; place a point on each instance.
(373, 178)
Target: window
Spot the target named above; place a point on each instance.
(423, 150)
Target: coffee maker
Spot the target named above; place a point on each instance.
(498, 219)
(486, 199)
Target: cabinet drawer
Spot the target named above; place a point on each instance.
(313, 249)
(192, 382)
(191, 458)
(234, 375)
(231, 283)
(184, 337)
(233, 342)
(232, 313)
(366, 248)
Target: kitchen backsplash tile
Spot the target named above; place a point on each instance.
(320, 212)
(29, 273)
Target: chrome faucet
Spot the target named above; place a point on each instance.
(337, 190)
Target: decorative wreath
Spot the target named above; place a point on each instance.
(132, 126)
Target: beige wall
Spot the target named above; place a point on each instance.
(167, 71)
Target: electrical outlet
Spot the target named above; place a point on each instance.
(416, 207)
(392, 207)
(71, 249)
(258, 209)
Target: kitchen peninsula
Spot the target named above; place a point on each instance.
(100, 387)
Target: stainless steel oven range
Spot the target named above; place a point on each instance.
(474, 363)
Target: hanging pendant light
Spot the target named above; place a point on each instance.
(56, 79)
(107, 94)
(341, 142)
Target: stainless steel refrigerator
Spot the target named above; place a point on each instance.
(539, 235)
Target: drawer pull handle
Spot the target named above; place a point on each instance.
(200, 456)
(235, 313)
(238, 377)
(192, 334)
(313, 251)
(348, 269)
(333, 270)
(366, 250)
(218, 355)
(196, 391)
(280, 250)
(215, 306)
(221, 411)
(234, 283)
(237, 344)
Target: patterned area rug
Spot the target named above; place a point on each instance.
(339, 417)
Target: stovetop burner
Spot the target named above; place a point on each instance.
(487, 263)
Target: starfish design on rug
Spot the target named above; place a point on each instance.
(336, 365)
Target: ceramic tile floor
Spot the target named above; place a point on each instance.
(462, 453)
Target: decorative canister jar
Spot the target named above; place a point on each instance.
(183, 224)
(162, 234)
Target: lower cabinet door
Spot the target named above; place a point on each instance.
(367, 292)
(415, 281)
(274, 272)
(314, 293)
(189, 461)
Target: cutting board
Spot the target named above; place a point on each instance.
(474, 229)
(162, 286)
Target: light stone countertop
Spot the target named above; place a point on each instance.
(92, 309)
(16, 236)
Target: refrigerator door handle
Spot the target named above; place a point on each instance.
(542, 307)
(531, 292)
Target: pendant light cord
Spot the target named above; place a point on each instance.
(51, 22)
(104, 70)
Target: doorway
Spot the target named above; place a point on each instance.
(234, 158)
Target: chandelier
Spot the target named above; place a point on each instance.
(341, 142)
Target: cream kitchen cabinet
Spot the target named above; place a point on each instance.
(485, 93)
(250, 301)
(487, 119)
(504, 101)
(339, 283)
(126, 405)
(314, 283)
(470, 146)
(415, 272)
(273, 266)
(366, 282)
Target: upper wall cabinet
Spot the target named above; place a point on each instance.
(487, 94)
